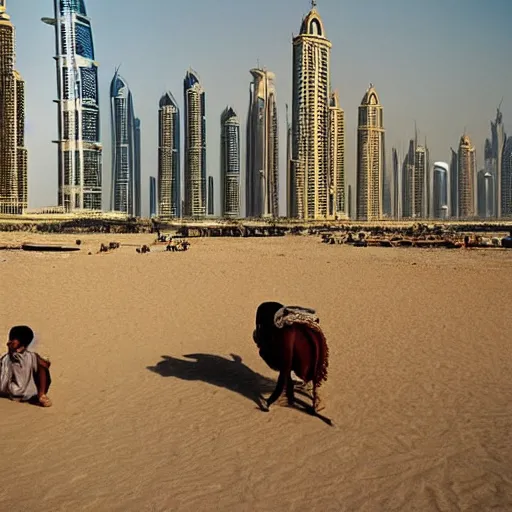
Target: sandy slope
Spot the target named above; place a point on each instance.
(420, 380)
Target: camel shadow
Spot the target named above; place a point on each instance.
(218, 371)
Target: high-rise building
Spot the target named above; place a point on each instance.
(309, 177)
(486, 194)
(195, 146)
(418, 185)
(370, 157)
(211, 197)
(467, 178)
(454, 184)
(493, 157)
(13, 154)
(408, 180)
(506, 180)
(440, 196)
(336, 179)
(138, 170)
(125, 194)
(349, 201)
(230, 163)
(288, 165)
(396, 186)
(169, 183)
(262, 153)
(79, 147)
(152, 197)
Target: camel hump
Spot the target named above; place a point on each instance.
(289, 315)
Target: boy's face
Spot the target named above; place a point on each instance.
(15, 346)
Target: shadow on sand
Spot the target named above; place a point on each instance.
(218, 371)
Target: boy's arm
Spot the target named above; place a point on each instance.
(41, 362)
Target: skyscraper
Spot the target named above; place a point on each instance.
(195, 146)
(506, 180)
(370, 157)
(152, 196)
(467, 177)
(125, 193)
(408, 180)
(336, 180)
(211, 197)
(13, 154)
(169, 183)
(418, 185)
(486, 194)
(440, 191)
(288, 165)
(493, 156)
(454, 184)
(79, 148)
(138, 170)
(396, 186)
(309, 176)
(262, 154)
(230, 163)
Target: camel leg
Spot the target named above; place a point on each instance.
(281, 382)
(318, 404)
(290, 386)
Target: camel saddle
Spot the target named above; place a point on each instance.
(295, 315)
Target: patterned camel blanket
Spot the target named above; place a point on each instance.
(295, 315)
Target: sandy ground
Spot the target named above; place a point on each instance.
(419, 389)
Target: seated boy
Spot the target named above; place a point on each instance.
(24, 375)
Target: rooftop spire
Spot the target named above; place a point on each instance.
(313, 4)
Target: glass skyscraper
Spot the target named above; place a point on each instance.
(79, 147)
(125, 196)
(230, 163)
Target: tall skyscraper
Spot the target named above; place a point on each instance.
(467, 178)
(152, 197)
(370, 157)
(486, 194)
(408, 180)
(454, 184)
(336, 179)
(169, 183)
(230, 163)
(262, 154)
(195, 146)
(494, 152)
(440, 191)
(506, 180)
(288, 165)
(418, 185)
(309, 181)
(125, 193)
(79, 147)
(13, 154)
(138, 170)
(211, 197)
(396, 186)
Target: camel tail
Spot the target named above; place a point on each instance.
(321, 352)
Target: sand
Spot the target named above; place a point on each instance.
(419, 387)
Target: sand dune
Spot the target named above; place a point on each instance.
(420, 379)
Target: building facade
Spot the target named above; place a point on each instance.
(486, 194)
(396, 185)
(13, 154)
(262, 153)
(337, 207)
(440, 189)
(419, 184)
(138, 170)
(506, 180)
(309, 177)
(79, 147)
(230, 163)
(370, 158)
(169, 183)
(454, 184)
(125, 185)
(195, 146)
(467, 178)
(493, 157)
(152, 197)
(211, 197)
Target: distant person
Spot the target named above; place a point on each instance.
(24, 375)
(466, 241)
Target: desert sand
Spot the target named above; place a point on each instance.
(419, 385)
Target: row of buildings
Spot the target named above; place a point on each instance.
(411, 187)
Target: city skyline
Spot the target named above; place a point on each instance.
(453, 107)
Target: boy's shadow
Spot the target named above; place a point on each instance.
(230, 374)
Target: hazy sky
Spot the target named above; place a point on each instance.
(445, 64)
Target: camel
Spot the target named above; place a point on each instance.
(290, 339)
